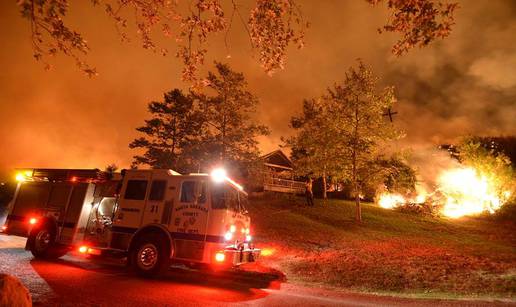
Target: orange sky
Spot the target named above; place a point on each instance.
(61, 118)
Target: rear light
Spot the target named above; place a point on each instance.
(220, 257)
(33, 221)
(94, 251)
(83, 249)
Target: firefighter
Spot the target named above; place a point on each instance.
(309, 192)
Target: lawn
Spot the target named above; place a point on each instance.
(390, 252)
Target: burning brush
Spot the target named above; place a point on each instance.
(459, 192)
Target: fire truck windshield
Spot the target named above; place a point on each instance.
(225, 196)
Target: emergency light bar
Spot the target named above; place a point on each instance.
(219, 175)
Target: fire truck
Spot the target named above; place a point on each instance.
(150, 217)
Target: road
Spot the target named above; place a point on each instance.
(76, 281)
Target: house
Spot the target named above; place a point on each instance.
(277, 173)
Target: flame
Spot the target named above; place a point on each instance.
(390, 201)
(267, 252)
(468, 192)
(461, 192)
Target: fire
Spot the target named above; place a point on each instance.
(267, 252)
(468, 192)
(460, 192)
(390, 201)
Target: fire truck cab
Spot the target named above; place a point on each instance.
(152, 217)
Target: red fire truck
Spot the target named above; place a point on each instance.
(152, 217)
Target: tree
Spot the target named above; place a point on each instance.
(272, 26)
(419, 22)
(194, 132)
(110, 170)
(174, 128)
(491, 164)
(231, 132)
(357, 115)
(313, 146)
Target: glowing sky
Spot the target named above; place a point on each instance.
(465, 84)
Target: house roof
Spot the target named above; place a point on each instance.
(277, 158)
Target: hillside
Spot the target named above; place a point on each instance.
(391, 252)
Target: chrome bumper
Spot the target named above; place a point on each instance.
(241, 256)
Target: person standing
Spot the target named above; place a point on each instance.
(309, 192)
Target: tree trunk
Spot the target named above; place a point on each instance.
(358, 216)
(324, 194)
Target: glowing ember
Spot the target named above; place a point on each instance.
(467, 193)
(267, 252)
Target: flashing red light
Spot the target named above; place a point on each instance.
(83, 249)
(220, 257)
(94, 251)
(33, 221)
(74, 179)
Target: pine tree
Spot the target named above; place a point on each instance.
(174, 128)
(231, 131)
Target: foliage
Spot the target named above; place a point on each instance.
(272, 26)
(110, 170)
(419, 22)
(231, 129)
(500, 144)
(399, 176)
(356, 109)
(174, 126)
(196, 131)
(492, 164)
(314, 149)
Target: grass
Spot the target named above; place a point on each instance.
(390, 252)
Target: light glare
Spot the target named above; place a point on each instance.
(219, 175)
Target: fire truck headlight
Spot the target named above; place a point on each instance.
(219, 175)
(228, 236)
(83, 249)
(248, 238)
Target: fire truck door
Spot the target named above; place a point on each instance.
(191, 214)
(132, 200)
(160, 201)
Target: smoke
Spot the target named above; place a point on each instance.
(429, 163)
(462, 85)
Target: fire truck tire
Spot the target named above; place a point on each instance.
(150, 256)
(42, 243)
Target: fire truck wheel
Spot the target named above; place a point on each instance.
(42, 244)
(149, 256)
